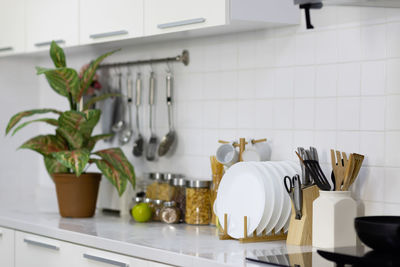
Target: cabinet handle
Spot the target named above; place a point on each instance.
(40, 244)
(180, 23)
(7, 48)
(60, 41)
(108, 34)
(104, 260)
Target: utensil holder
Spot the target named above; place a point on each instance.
(300, 231)
(333, 221)
(254, 237)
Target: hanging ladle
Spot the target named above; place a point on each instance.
(119, 125)
(127, 132)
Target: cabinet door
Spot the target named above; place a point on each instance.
(48, 20)
(11, 26)
(37, 251)
(6, 247)
(179, 15)
(104, 20)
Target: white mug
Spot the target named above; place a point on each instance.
(257, 152)
(227, 155)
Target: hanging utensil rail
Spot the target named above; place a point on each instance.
(184, 58)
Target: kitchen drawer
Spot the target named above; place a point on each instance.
(179, 15)
(37, 251)
(90, 257)
(12, 21)
(6, 247)
(48, 20)
(102, 20)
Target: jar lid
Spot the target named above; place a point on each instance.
(170, 176)
(177, 182)
(198, 183)
(169, 204)
(148, 200)
(158, 201)
(139, 199)
(155, 176)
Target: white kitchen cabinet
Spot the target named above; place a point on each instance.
(104, 20)
(235, 15)
(48, 20)
(37, 251)
(12, 27)
(98, 258)
(6, 247)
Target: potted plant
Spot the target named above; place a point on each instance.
(69, 150)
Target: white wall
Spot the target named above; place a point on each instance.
(333, 87)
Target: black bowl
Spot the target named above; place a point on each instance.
(379, 232)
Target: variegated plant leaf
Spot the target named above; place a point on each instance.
(92, 118)
(117, 158)
(57, 55)
(53, 122)
(99, 98)
(75, 159)
(64, 80)
(53, 166)
(115, 176)
(87, 77)
(74, 138)
(84, 122)
(45, 144)
(17, 117)
(94, 139)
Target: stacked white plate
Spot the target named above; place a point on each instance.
(255, 190)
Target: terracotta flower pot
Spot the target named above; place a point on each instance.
(77, 196)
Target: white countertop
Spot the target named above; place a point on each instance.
(179, 244)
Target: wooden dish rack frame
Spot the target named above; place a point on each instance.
(223, 233)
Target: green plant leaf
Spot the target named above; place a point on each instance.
(94, 139)
(75, 159)
(117, 158)
(98, 98)
(64, 80)
(53, 122)
(87, 77)
(17, 117)
(53, 166)
(84, 122)
(45, 144)
(74, 138)
(115, 176)
(57, 55)
(92, 118)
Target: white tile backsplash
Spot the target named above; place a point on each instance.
(337, 86)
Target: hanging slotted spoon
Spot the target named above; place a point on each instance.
(152, 146)
(168, 140)
(139, 142)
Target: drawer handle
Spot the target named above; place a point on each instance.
(108, 34)
(60, 41)
(7, 48)
(104, 260)
(40, 244)
(181, 23)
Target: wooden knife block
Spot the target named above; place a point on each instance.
(300, 231)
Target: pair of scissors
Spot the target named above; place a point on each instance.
(293, 187)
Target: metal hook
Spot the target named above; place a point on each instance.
(168, 67)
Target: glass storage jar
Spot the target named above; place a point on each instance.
(159, 188)
(178, 186)
(158, 205)
(198, 202)
(170, 213)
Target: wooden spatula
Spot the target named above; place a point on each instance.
(348, 173)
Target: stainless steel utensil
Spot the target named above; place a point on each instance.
(152, 146)
(139, 142)
(119, 110)
(316, 173)
(293, 187)
(127, 132)
(168, 140)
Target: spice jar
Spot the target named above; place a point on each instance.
(198, 202)
(170, 213)
(179, 194)
(158, 205)
(159, 188)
